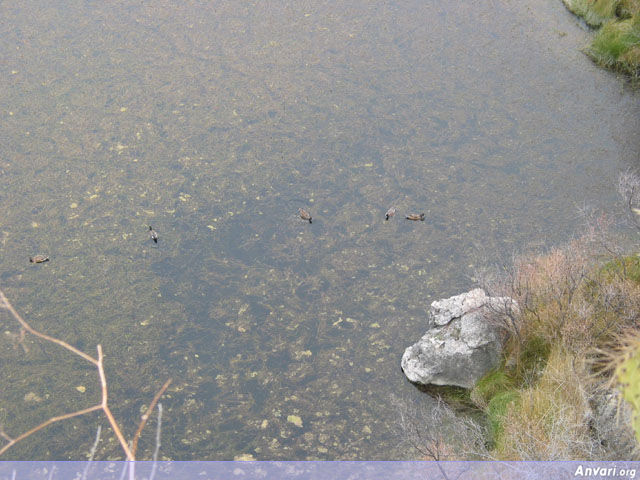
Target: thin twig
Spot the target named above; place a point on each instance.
(13, 441)
(125, 467)
(32, 331)
(4, 435)
(157, 449)
(107, 410)
(146, 415)
(104, 405)
(92, 453)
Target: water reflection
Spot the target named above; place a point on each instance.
(214, 123)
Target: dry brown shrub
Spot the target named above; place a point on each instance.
(563, 295)
(545, 287)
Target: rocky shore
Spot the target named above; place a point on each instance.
(462, 342)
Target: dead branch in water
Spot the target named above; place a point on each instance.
(130, 451)
(145, 417)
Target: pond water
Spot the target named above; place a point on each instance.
(214, 122)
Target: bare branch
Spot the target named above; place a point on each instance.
(145, 417)
(629, 190)
(5, 304)
(107, 410)
(104, 404)
(157, 448)
(13, 441)
(434, 431)
(92, 453)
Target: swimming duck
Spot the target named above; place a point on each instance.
(415, 217)
(390, 213)
(153, 234)
(304, 214)
(39, 259)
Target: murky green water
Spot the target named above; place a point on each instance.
(214, 122)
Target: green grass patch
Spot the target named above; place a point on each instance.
(604, 9)
(494, 393)
(497, 410)
(594, 13)
(500, 389)
(614, 42)
(616, 45)
(493, 383)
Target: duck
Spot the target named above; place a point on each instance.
(390, 213)
(153, 234)
(39, 259)
(304, 214)
(415, 217)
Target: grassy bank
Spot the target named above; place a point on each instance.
(568, 384)
(556, 394)
(616, 44)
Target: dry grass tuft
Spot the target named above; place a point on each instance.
(549, 422)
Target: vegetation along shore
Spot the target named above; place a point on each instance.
(568, 386)
(616, 44)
